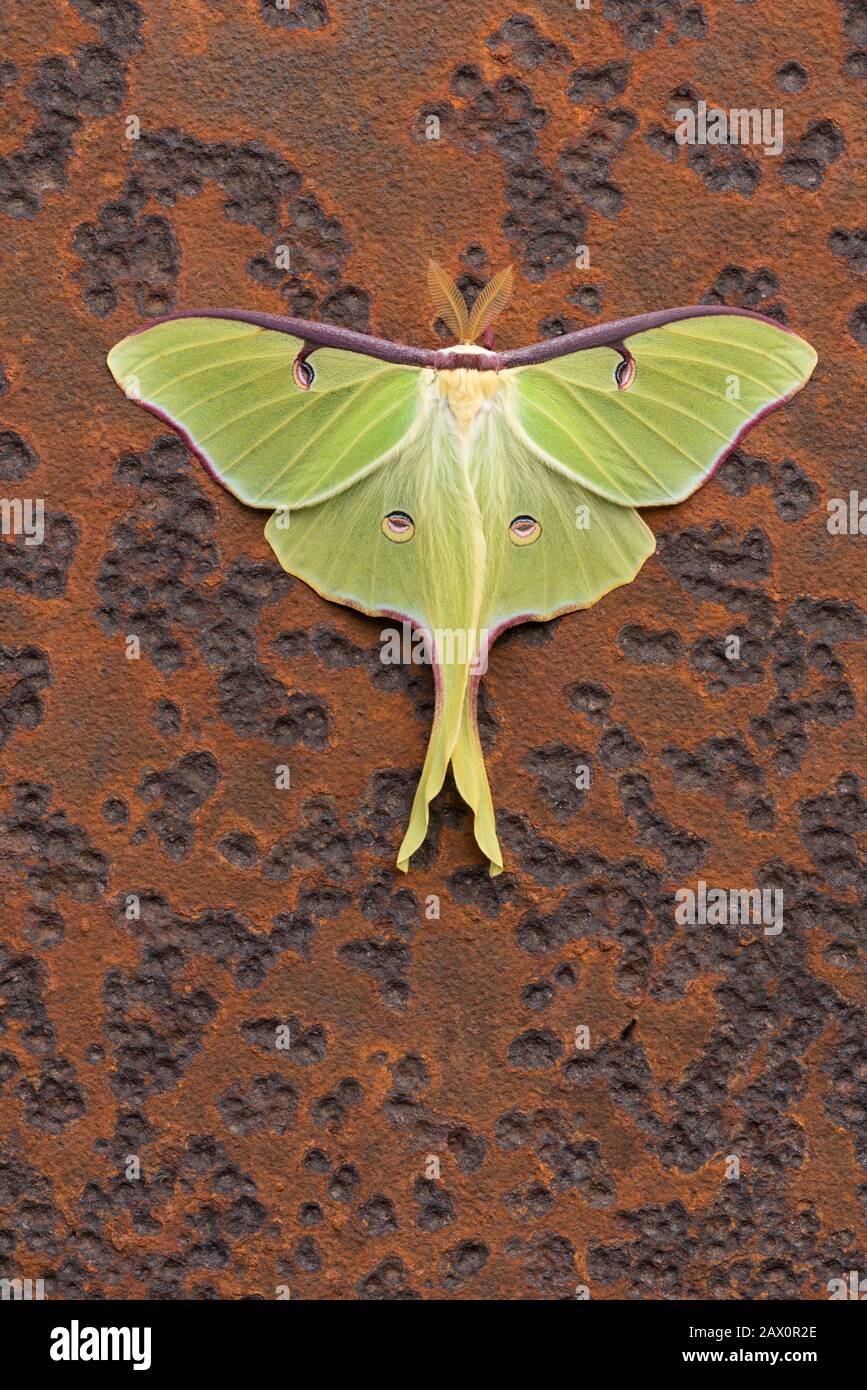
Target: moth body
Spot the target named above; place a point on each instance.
(465, 390)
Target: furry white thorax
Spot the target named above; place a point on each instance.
(465, 389)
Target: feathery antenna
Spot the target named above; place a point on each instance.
(450, 305)
(448, 302)
(491, 301)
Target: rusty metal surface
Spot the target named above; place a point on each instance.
(415, 1037)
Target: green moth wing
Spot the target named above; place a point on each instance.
(574, 546)
(645, 425)
(549, 546)
(407, 542)
(462, 491)
(234, 390)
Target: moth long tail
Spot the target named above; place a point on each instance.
(454, 738)
(452, 679)
(471, 779)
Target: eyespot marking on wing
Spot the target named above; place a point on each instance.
(624, 372)
(398, 527)
(302, 372)
(524, 530)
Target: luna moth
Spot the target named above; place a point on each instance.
(460, 489)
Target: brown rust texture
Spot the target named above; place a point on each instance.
(154, 1141)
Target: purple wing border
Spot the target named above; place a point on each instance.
(317, 335)
(313, 335)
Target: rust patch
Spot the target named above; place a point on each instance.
(430, 1128)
